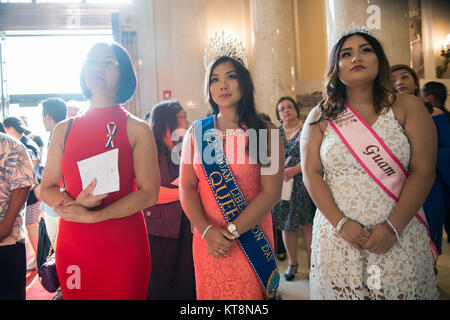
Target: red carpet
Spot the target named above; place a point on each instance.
(35, 291)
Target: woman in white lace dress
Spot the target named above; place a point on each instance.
(363, 259)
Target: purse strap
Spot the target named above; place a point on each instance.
(53, 241)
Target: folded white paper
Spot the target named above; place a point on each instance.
(287, 189)
(105, 168)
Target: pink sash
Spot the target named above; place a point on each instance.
(375, 157)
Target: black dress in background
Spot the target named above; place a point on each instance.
(300, 210)
(170, 237)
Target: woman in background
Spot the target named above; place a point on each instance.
(169, 230)
(405, 80)
(295, 209)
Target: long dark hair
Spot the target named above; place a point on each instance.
(163, 117)
(17, 124)
(334, 92)
(246, 110)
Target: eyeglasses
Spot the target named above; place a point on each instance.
(106, 63)
(183, 117)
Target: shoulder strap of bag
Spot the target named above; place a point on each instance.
(69, 126)
(52, 243)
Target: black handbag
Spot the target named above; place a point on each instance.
(43, 245)
(48, 273)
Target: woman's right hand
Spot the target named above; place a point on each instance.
(86, 199)
(219, 241)
(355, 234)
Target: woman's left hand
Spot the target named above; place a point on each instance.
(76, 213)
(380, 241)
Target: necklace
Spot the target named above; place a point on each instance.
(229, 132)
(290, 130)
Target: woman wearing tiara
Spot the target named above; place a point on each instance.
(368, 164)
(226, 224)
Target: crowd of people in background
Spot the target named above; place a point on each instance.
(168, 224)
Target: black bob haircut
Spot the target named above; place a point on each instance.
(127, 79)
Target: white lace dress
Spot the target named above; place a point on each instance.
(339, 271)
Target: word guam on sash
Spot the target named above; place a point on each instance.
(375, 157)
(231, 201)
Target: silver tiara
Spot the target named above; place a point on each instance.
(222, 44)
(355, 28)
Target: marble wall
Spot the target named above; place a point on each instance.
(287, 43)
(388, 19)
(274, 53)
(171, 43)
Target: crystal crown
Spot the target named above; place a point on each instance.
(222, 44)
(355, 28)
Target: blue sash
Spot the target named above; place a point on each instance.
(231, 201)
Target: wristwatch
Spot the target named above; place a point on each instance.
(233, 230)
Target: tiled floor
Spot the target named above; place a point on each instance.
(298, 289)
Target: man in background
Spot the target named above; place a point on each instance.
(17, 178)
(54, 110)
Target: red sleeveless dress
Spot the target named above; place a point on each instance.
(109, 259)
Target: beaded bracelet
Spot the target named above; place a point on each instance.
(206, 230)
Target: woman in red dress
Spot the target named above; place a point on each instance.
(102, 247)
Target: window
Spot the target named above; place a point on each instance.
(47, 64)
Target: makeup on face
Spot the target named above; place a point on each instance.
(357, 60)
(224, 85)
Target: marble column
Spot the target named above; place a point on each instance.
(388, 19)
(171, 37)
(146, 44)
(273, 67)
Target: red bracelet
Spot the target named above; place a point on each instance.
(390, 229)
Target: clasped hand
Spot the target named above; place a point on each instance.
(78, 209)
(378, 241)
(219, 241)
(289, 173)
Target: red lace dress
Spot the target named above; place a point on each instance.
(109, 259)
(230, 277)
